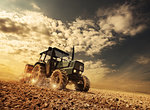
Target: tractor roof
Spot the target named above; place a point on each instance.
(57, 52)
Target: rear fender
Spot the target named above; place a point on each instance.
(29, 67)
(43, 64)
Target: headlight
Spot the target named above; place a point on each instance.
(74, 71)
(80, 72)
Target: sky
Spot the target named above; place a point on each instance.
(111, 37)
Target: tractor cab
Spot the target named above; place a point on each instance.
(53, 58)
(53, 54)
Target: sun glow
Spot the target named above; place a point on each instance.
(33, 81)
(54, 86)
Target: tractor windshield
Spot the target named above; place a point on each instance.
(59, 53)
(55, 53)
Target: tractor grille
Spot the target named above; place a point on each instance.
(79, 66)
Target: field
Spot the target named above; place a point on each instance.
(18, 96)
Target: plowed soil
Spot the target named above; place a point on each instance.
(19, 96)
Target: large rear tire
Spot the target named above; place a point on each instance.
(59, 79)
(83, 84)
(38, 74)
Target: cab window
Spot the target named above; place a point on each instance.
(47, 58)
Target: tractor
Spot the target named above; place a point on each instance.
(61, 69)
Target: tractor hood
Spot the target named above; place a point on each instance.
(77, 65)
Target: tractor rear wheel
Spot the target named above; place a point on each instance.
(59, 79)
(83, 85)
(38, 74)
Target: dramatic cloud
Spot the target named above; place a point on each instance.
(25, 28)
(9, 26)
(121, 20)
(35, 6)
(23, 31)
(15, 4)
(143, 60)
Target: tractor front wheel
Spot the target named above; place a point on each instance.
(83, 84)
(59, 79)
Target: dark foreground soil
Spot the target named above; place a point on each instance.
(17, 96)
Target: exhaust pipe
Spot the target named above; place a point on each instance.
(72, 53)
